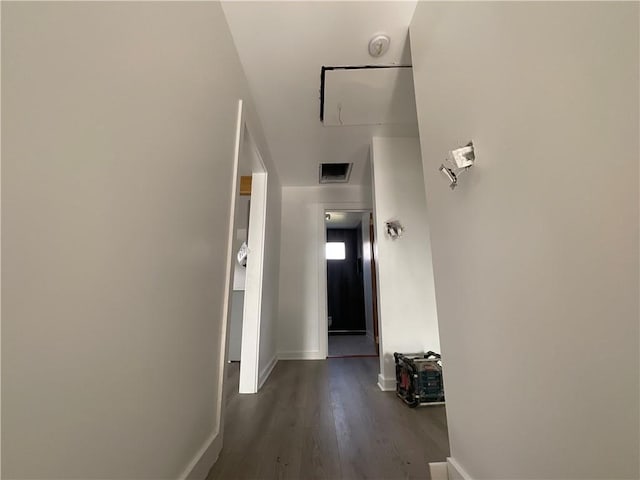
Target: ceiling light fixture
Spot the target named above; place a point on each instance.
(379, 45)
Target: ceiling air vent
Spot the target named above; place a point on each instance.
(335, 172)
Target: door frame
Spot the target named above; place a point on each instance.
(323, 320)
(374, 282)
(252, 307)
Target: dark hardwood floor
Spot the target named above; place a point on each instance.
(327, 420)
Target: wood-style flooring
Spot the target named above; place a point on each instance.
(350, 345)
(327, 420)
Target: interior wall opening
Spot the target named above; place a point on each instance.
(352, 327)
(247, 256)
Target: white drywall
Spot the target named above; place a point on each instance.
(368, 96)
(536, 252)
(253, 295)
(407, 309)
(283, 45)
(234, 347)
(302, 327)
(366, 275)
(241, 226)
(255, 322)
(234, 327)
(270, 282)
(118, 134)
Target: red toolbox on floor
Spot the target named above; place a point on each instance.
(419, 378)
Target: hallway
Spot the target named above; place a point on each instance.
(346, 345)
(326, 419)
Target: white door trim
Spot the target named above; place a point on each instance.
(252, 312)
(252, 309)
(323, 321)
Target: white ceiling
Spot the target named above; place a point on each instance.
(369, 96)
(343, 219)
(283, 46)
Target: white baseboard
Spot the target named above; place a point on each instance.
(386, 384)
(455, 470)
(439, 470)
(266, 371)
(199, 466)
(304, 355)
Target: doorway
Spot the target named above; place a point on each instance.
(351, 300)
(247, 258)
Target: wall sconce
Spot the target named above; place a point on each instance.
(393, 229)
(458, 161)
(242, 254)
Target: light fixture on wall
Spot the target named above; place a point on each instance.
(393, 229)
(457, 162)
(379, 45)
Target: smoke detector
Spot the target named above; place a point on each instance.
(379, 45)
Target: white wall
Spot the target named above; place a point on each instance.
(536, 253)
(407, 309)
(366, 274)
(258, 325)
(258, 350)
(300, 37)
(118, 144)
(234, 327)
(234, 348)
(302, 327)
(252, 311)
(271, 282)
(241, 226)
